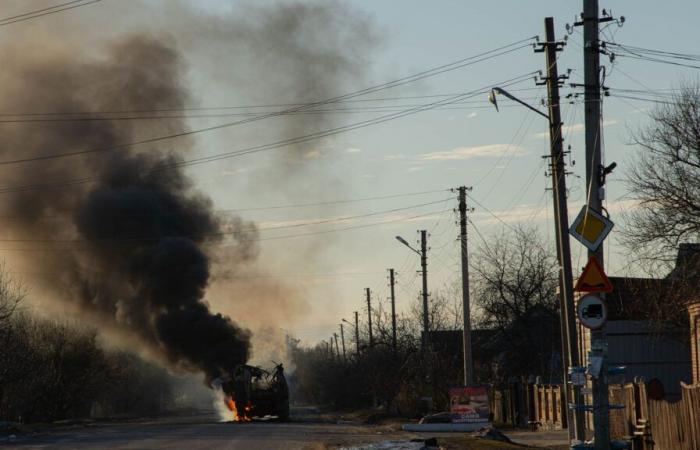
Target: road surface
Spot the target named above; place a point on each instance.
(204, 432)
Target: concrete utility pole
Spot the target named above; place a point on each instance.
(466, 327)
(591, 77)
(561, 216)
(342, 339)
(393, 311)
(357, 334)
(369, 316)
(424, 269)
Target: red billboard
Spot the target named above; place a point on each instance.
(470, 404)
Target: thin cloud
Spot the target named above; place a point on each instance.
(353, 150)
(479, 151)
(575, 128)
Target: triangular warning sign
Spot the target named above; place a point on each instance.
(593, 279)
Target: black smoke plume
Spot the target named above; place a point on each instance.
(123, 235)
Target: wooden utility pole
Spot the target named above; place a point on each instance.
(337, 349)
(342, 339)
(369, 316)
(393, 311)
(561, 216)
(466, 322)
(424, 270)
(357, 334)
(591, 77)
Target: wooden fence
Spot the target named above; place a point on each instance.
(676, 426)
(548, 407)
(658, 424)
(511, 405)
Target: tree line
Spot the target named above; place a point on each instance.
(54, 370)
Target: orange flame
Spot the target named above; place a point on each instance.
(231, 404)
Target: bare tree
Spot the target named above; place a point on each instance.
(665, 179)
(11, 295)
(515, 279)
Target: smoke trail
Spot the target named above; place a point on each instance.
(136, 237)
(147, 244)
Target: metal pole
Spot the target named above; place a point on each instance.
(393, 311)
(342, 338)
(562, 217)
(424, 267)
(466, 328)
(591, 67)
(369, 316)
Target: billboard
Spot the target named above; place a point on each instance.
(470, 404)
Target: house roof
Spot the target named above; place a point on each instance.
(638, 298)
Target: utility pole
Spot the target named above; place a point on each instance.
(357, 334)
(342, 338)
(561, 216)
(337, 349)
(591, 77)
(393, 311)
(369, 316)
(424, 270)
(466, 316)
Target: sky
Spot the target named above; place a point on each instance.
(413, 160)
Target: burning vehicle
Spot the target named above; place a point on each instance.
(255, 392)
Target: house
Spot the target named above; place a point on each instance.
(646, 329)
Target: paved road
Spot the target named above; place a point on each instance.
(205, 433)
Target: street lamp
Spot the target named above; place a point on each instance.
(404, 242)
(503, 92)
(561, 217)
(424, 266)
(357, 333)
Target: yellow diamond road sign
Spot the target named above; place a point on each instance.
(591, 228)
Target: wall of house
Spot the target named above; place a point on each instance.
(647, 354)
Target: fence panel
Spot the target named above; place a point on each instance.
(548, 406)
(674, 426)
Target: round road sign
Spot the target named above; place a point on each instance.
(592, 312)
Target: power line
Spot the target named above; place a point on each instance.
(642, 50)
(290, 236)
(226, 233)
(270, 146)
(46, 11)
(491, 213)
(318, 112)
(412, 78)
(273, 207)
(105, 114)
(334, 202)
